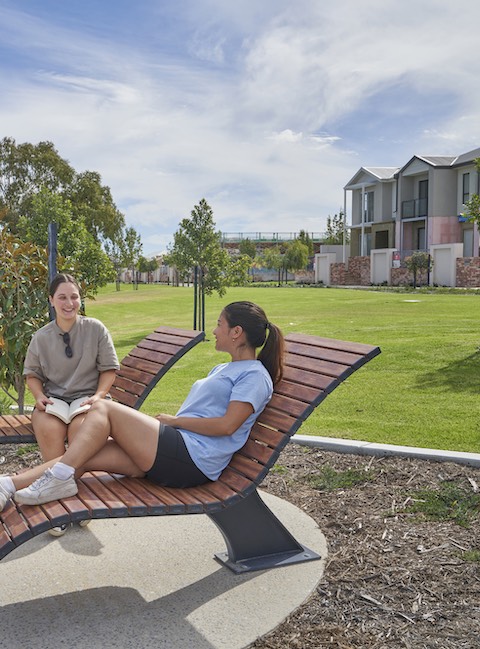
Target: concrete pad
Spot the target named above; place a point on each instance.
(149, 582)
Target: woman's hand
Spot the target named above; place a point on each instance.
(168, 420)
(41, 402)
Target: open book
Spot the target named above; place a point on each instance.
(64, 411)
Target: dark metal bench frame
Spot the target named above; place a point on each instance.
(255, 539)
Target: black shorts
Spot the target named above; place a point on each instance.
(173, 466)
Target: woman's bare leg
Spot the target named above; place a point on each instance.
(50, 433)
(74, 427)
(135, 437)
(25, 478)
(131, 449)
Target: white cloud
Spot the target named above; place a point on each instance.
(265, 109)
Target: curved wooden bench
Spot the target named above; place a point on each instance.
(139, 373)
(254, 537)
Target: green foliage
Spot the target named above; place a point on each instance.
(23, 308)
(471, 555)
(418, 261)
(24, 169)
(296, 255)
(238, 268)
(38, 187)
(247, 247)
(304, 237)
(336, 230)
(472, 207)
(5, 403)
(286, 257)
(450, 502)
(197, 245)
(83, 254)
(132, 252)
(92, 203)
(327, 479)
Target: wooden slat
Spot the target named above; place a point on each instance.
(311, 379)
(12, 520)
(256, 451)
(6, 543)
(135, 506)
(112, 503)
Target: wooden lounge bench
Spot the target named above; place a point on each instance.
(139, 373)
(255, 538)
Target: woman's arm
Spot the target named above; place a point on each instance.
(237, 412)
(36, 388)
(105, 382)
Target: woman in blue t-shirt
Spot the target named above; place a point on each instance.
(182, 450)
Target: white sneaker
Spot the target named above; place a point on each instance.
(4, 497)
(45, 489)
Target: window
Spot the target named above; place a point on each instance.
(421, 240)
(465, 188)
(468, 243)
(368, 207)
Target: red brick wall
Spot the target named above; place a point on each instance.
(338, 273)
(358, 273)
(403, 277)
(468, 271)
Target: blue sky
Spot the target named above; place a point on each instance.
(265, 109)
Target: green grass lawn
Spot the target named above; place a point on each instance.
(423, 390)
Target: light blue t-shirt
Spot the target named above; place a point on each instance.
(246, 381)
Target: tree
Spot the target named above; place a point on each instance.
(296, 256)
(249, 249)
(336, 229)
(133, 251)
(304, 238)
(472, 206)
(92, 203)
(23, 308)
(272, 257)
(83, 254)
(197, 247)
(37, 186)
(115, 250)
(418, 261)
(24, 170)
(238, 270)
(147, 266)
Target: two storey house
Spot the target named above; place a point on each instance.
(417, 207)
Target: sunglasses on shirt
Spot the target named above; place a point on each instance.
(68, 349)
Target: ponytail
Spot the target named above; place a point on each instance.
(259, 333)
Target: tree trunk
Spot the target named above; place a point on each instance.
(20, 387)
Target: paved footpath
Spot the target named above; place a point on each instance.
(148, 582)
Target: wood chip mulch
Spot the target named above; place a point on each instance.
(393, 579)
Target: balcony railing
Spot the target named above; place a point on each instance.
(415, 208)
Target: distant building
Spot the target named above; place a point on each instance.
(396, 211)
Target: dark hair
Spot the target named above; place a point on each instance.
(255, 324)
(61, 278)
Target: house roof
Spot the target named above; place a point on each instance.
(382, 173)
(389, 173)
(438, 160)
(376, 173)
(470, 156)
